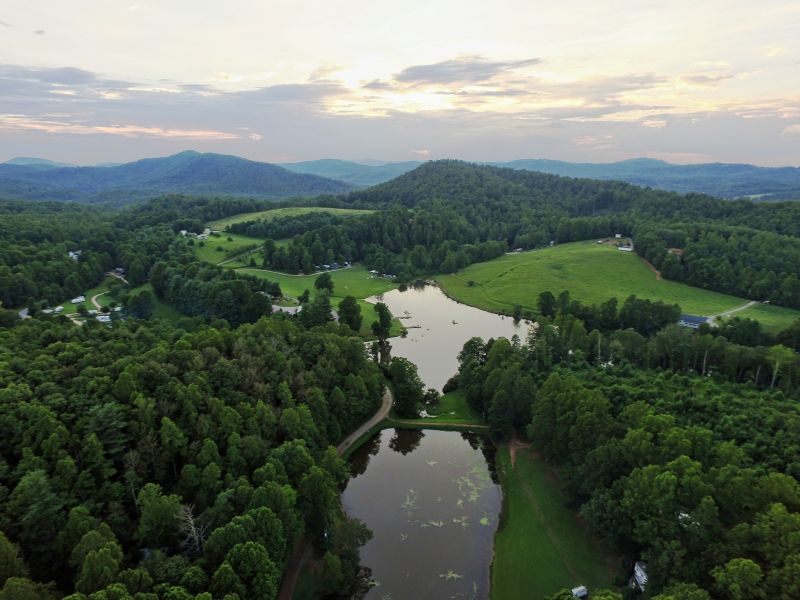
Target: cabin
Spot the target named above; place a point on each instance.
(78, 299)
(373, 272)
(692, 321)
(580, 592)
(58, 310)
(639, 579)
(618, 236)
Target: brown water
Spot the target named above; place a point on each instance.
(432, 502)
(438, 327)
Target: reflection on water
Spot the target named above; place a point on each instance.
(438, 327)
(432, 500)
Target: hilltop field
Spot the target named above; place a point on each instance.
(592, 273)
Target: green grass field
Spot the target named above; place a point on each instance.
(453, 408)
(161, 310)
(279, 213)
(355, 281)
(541, 546)
(215, 249)
(772, 318)
(592, 273)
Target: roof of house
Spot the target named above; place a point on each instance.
(694, 320)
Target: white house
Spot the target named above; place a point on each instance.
(78, 299)
(103, 318)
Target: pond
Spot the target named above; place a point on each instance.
(438, 327)
(432, 501)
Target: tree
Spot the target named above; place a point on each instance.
(383, 325)
(324, 282)
(779, 355)
(740, 579)
(11, 563)
(409, 390)
(159, 517)
(142, 305)
(350, 313)
(547, 304)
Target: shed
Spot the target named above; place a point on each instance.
(580, 591)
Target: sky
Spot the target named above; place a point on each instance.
(92, 81)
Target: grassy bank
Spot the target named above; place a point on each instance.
(280, 213)
(592, 273)
(541, 546)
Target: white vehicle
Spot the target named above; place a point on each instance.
(78, 299)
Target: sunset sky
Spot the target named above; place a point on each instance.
(89, 81)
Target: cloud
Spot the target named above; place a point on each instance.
(39, 32)
(707, 79)
(791, 129)
(4, 24)
(420, 153)
(460, 70)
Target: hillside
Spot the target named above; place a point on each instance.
(592, 273)
(186, 173)
(716, 179)
(354, 173)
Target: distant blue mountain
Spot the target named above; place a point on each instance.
(354, 173)
(29, 161)
(187, 173)
(716, 179)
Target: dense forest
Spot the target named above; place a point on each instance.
(160, 462)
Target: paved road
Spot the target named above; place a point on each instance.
(303, 551)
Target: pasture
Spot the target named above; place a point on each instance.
(280, 213)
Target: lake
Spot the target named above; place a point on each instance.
(432, 501)
(438, 327)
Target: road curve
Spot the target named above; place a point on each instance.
(379, 416)
(728, 313)
(303, 551)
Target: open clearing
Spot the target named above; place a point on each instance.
(453, 408)
(279, 213)
(592, 273)
(541, 546)
(217, 248)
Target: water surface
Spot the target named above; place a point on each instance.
(438, 327)
(432, 502)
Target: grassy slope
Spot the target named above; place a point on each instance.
(772, 318)
(278, 213)
(209, 252)
(161, 310)
(453, 408)
(592, 273)
(541, 546)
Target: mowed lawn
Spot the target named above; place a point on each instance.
(453, 408)
(279, 213)
(541, 545)
(592, 273)
(216, 249)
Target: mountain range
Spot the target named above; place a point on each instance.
(716, 179)
(217, 174)
(187, 173)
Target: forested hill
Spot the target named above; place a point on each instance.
(187, 173)
(716, 179)
(462, 184)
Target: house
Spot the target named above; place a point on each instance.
(202, 237)
(335, 265)
(119, 271)
(183, 232)
(58, 310)
(103, 318)
(580, 592)
(75, 255)
(639, 579)
(326, 267)
(518, 250)
(625, 248)
(373, 272)
(692, 321)
(618, 236)
(78, 299)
